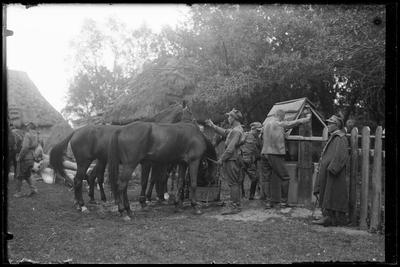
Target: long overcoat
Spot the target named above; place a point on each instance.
(331, 180)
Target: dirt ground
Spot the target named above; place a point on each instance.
(47, 229)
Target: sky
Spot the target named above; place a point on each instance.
(40, 43)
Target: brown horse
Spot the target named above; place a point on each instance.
(91, 143)
(157, 142)
(87, 144)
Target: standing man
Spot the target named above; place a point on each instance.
(251, 151)
(277, 179)
(26, 159)
(331, 184)
(231, 159)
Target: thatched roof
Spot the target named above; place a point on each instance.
(25, 99)
(160, 84)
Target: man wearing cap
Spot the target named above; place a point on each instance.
(26, 159)
(330, 185)
(231, 159)
(251, 152)
(276, 179)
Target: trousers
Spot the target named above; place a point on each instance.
(25, 168)
(232, 172)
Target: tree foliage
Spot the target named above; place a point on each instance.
(248, 57)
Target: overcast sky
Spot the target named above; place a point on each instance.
(39, 45)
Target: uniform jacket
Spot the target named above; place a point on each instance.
(274, 135)
(331, 179)
(251, 148)
(29, 145)
(234, 137)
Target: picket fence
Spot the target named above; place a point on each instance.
(371, 196)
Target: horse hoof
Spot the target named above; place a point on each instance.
(126, 218)
(198, 212)
(84, 209)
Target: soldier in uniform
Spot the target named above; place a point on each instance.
(251, 152)
(231, 159)
(331, 185)
(26, 159)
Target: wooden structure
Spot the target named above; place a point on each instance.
(366, 207)
(304, 144)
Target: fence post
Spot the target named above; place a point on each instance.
(364, 178)
(305, 167)
(376, 181)
(353, 177)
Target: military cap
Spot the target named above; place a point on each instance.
(337, 120)
(236, 114)
(255, 125)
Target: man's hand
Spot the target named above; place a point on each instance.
(209, 123)
(219, 162)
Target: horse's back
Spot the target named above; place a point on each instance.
(163, 142)
(92, 140)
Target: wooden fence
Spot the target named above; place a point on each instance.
(370, 195)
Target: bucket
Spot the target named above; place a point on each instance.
(48, 176)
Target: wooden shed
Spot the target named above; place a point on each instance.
(304, 144)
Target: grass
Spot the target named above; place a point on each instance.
(47, 229)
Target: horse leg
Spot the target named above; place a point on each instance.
(193, 169)
(144, 180)
(80, 175)
(91, 179)
(122, 188)
(180, 188)
(100, 178)
(152, 182)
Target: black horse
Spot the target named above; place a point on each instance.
(163, 143)
(91, 143)
(87, 144)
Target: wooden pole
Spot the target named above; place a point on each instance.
(305, 167)
(353, 177)
(364, 178)
(377, 181)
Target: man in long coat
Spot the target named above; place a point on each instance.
(231, 159)
(331, 184)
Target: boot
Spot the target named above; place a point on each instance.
(324, 221)
(33, 191)
(18, 195)
(232, 209)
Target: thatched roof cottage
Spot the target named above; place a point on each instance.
(26, 104)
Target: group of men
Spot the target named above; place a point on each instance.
(260, 153)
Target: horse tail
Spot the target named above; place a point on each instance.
(113, 162)
(57, 153)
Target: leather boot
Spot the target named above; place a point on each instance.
(324, 221)
(233, 208)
